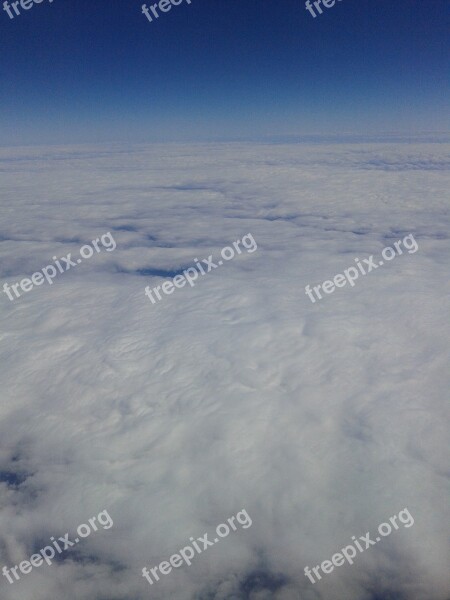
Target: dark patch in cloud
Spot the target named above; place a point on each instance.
(398, 234)
(159, 243)
(41, 542)
(387, 595)
(360, 231)
(159, 272)
(77, 555)
(414, 164)
(72, 240)
(125, 228)
(282, 218)
(259, 581)
(13, 478)
(152, 272)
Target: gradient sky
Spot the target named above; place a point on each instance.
(90, 70)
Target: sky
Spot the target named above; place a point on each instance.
(84, 71)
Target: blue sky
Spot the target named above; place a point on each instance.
(89, 71)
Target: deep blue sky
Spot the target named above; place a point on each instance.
(97, 70)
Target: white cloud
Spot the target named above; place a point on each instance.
(322, 421)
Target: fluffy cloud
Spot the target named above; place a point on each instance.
(321, 420)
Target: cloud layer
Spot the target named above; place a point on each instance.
(321, 420)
